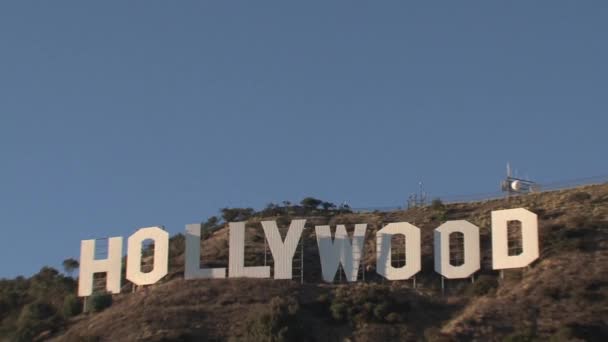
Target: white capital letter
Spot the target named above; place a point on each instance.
(193, 268)
(471, 263)
(88, 266)
(529, 234)
(412, 251)
(340, 251)
(236, 255)
(282, 252)
(161, 255)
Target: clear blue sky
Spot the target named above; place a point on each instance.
(117, 115)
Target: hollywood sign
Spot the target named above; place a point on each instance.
(339, 250)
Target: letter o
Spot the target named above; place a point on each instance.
(161, 256)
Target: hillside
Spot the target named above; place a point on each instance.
(561, 296)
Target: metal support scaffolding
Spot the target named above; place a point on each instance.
(398, 252)
(514, 238)
(457, 249)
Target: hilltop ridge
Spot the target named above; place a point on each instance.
(562, 295)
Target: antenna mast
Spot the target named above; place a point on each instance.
(516, 186)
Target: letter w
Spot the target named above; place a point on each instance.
(340, 251)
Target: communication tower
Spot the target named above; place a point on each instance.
(515, 186)
(417, 199)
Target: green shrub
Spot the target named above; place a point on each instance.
(437, 204)
(311, 203)
(237, 214)
(381, 310)
(71, 306)
(277, 323)
(440, 211)
(339, 311)
(70, 265)
(34, 319)
(328, 206)
(368, 303)
(31, 306)
(100, 301)
(36, 311)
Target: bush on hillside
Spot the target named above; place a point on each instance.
(339, 311)
(100, 301)
(365, 304)
(213, 223)
(437, 204)
(278, 323)
(35, 318)
(30, 306)
(237, 214)
(328, 206)
(71, 306)
(311, 203)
